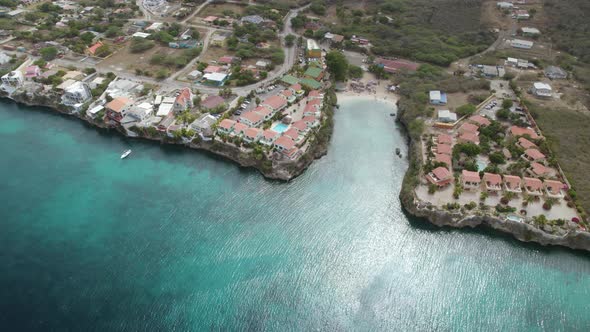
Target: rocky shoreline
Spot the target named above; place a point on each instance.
(281, 171)
(442, 218)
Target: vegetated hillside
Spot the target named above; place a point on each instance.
(435, 31)
(569, 26)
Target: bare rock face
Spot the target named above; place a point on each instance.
(524, 232)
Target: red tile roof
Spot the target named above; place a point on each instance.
(492, 179)
(292, 132)
(470, 176)
(226, 59)
(212, 69)
(468, 128)
(117, 104)
(212, 102)
(553, 186)
(533, 184)
(313, 94)
(512, 181)
(519, 131)
(299, 125)
(184, 98)
(253, 117)
(264, 111)
(539, 169)
(443, 158)
(480, 120)
(534, 154)
(444, 148)
(296, 87)
(227, 124)
(269, 134)
(445, 139)
(240, 127)
(525, 143)
(253, 133)
(92, 49)
(275, 102)
(286, 142)
(441, 173)
(394, 65)
(469, 137)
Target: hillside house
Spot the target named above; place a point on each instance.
(117, 108)
(440, 177)
(542, 90)
(438, 97)
(470, 180)
(555, 73)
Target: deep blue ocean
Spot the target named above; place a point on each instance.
(173, 239)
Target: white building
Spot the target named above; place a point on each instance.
(77, 93)
(203, 124)
(94, 111)
(530, 31)
(141, 112)
(4, 58)
(541, 89)
(447, 116)
(505, 5)
(13, 79)
(519, 43)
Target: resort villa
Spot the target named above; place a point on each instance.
(554, 189)
(513, 184)
(470, 180)
(440, 177)
(533, 186)
(117, 108)
(493, 182)
(226, 126)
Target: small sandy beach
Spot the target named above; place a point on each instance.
(378, 91)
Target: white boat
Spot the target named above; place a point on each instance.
(125, 154)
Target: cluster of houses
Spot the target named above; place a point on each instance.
(287, 140)
(537, 180)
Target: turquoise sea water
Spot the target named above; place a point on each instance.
(174, 239)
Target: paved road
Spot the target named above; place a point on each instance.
(188, 18)
(146, 13)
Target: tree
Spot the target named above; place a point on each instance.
(379, 71)
(355, 71)
(103, 51)
(466, 109)
(507, 103)
(497, 158)
(289, 40)
(48, 53)
(337, 65)
(87, 37)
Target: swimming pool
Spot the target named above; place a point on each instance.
(280, 128)
(481, 165)
(513, 217)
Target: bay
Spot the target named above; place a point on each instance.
(175, 239)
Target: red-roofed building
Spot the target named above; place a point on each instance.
(210, 19)
(533, 155)
(554, 188)
(533, 186)
(470, 180)
(513, 183)
(296, 88)
(117, 108)
(293, 154)
(311, 121)
(492, 181)
(269, 137)
(251, 119)
(240, 129)
(212, 102)
(226, 59)
(444, 158)
(212, 69)
(391, 66)
(276, 103)
(184, 100)
(519, 131)
(314, 94)
(284, 144)
(300, 126)
(252, 135)
(266, 112)
(538, 170)
(440, 177)
(311, 110)
(468, 128)
(292, 133)
(444, 139)
(92, 49)
(480, 120)
(444, 148)
(467, 137)
(226, 126)
(526, 144)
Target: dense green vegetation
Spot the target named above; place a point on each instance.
(437, 32)
(568, 28)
